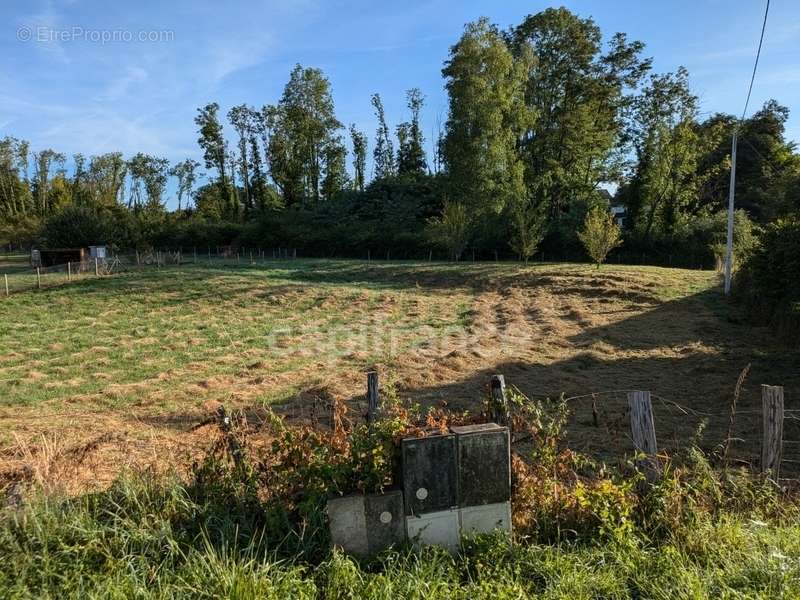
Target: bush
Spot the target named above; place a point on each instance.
(769, 281)
(81, 226)
(250, 523)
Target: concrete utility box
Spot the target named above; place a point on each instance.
(365, 525)
(484, 464)
(385, 518)
(348, 524)
(435, 529)
(486, 518)
(429, 473)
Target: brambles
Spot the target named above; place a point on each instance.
(251, 523)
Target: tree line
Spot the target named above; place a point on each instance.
(546, 121)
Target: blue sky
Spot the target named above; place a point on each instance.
(82, 95)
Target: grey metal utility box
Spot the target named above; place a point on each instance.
(484, 464)
(429, 473)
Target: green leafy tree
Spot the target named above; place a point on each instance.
(487, 115)
(302, 129)
(359, 141)
(528, 226)
(411, 142)
(15, 198)
(578, 95)
(186, 174)
(383, 154)
(241, 118)
(451, 228)
(486, 121)
(148, 176)
(215, 153)
(335, 167)
(667, 179)
(105, 178)
(45, 166)
(600, 234)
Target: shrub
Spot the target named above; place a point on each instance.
(451, 229)
(600, 234)
(79, 226)
(769, 281)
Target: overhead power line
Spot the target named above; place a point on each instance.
(731, 192)
(755, 65)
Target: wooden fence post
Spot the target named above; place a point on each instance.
(96, 268)
(373, 398)
(69, 270)
(498, 405)
(772, 418)
(38, 279)
(643, 428)
(5, 278)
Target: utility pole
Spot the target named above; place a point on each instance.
(729, 248)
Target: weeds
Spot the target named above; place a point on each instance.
(250, 522)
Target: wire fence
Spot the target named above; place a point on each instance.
(19, 274)
(600, 424)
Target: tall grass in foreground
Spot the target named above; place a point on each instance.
(250, 524)
(148, 539)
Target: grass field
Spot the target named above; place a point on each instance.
(127, 364)
(105, 384)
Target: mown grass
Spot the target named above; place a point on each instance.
(173, 335)
(157, 344)
(137, 357)
(91, 340)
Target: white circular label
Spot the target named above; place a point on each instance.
(386, 517)
(422, 493)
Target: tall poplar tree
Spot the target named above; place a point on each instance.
(411, 142)
(383, 153)
(359, 141)
(487, 116)
(302, 128)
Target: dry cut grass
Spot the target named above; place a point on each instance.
(117, 372)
